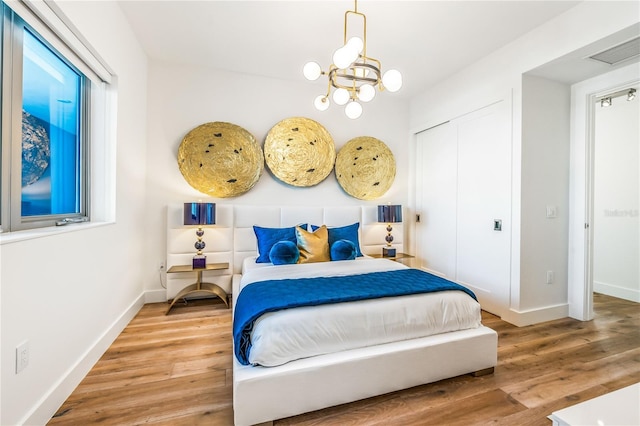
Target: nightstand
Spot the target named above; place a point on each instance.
(199, 286)
(405, 259)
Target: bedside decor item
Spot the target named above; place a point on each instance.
(299, 151)
(199, 214)
(220, 159)
(199, 286)
(354, 75)
(365, 168)
(389, 214)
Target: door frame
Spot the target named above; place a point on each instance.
(582, 143)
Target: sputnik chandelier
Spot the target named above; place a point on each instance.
(354, 75)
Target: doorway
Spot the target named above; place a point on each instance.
(616, 195)
(581, 232)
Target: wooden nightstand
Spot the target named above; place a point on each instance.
(405, 259)
(199, 286)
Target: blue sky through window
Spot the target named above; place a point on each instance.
(50, 140)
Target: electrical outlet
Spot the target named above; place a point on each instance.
(161, 265)
(22, 356)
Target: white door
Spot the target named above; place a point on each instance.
(436, 172)
(464, 199)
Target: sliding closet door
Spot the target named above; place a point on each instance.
(484, 205)
(436, 200)
(463, 197)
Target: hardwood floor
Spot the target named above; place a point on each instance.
(176, 370)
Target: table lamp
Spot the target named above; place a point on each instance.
(389, 214)
(199, 214)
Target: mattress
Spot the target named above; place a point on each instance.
(287, 335)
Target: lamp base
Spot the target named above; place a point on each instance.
(388, 252)
(199, 261)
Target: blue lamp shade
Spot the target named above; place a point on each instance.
(389, 214)
(199, 214)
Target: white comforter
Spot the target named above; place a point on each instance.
(290, 334)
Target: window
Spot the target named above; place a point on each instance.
(45, 137)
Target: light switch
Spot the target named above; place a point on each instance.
(551, 212)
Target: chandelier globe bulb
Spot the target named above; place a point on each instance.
(341, 96)
(366, 92)
(351, 52)
(392, 80)
(321, 102)
(353, 110)
(357, 43)
(312, 70)
(343, 57)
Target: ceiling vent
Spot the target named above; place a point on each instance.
(619, 53)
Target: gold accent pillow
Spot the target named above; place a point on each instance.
(313, 246)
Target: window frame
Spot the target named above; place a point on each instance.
(11, 218)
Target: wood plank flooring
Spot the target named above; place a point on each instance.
(176, 370)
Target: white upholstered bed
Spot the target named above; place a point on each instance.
(263, 394)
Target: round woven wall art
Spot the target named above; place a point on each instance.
(220, 159)
(299, 151)
(365, 168)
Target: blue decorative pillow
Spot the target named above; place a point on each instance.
(349, 232)
(284, 253)
(343, 250)
(267, 237)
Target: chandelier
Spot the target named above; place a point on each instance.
(353, 75)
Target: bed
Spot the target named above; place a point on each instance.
(267, 387)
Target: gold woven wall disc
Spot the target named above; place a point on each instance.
(299, 151)
(365, 168)
(220, 159)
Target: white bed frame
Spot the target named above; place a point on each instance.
(264, 394)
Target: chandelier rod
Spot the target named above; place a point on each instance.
(364, 27)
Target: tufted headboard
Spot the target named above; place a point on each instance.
(232, 238)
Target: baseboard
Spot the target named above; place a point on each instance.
(155, 296)
(535, 316)
(617, 291)
(48, 405)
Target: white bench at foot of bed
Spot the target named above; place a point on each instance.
(262, 394)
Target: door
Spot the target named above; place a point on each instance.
(464, 199)
(436, 171)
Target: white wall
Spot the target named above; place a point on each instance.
(71, 293)
(545, 184)
(487, 81)
(616, 218)
(183, 97)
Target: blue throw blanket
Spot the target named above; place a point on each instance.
(274, 295)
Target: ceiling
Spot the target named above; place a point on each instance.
(425, 40)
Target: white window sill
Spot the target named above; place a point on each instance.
(30, 234)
